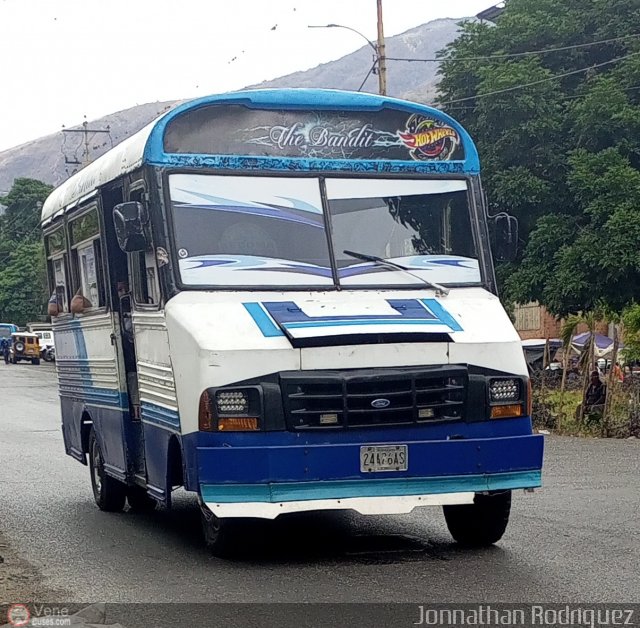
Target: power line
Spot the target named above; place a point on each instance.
(10, 224)
(28, 235)
(544, 80)
(513, 54)
(574, 97)
(368, 74)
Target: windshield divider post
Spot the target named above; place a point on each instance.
(329, 232)
(480, 229)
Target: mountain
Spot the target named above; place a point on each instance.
(47, 158)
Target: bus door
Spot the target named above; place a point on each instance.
(142, 344)
(123, 337)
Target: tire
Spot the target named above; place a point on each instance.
(482, 523)
(35, 361)
(139, 500)
(110, 494)
(222, 537)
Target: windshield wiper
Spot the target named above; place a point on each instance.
(441, 291)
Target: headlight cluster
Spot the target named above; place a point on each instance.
(507, 398)
(238, 410)
(228, 402)
(504, 390)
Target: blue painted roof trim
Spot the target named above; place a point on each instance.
(316, 99)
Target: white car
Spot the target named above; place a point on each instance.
(47, 345)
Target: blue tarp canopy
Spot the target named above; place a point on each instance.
(603, 345)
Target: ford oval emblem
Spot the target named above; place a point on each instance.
(380, 403)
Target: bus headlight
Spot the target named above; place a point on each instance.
(506, 397)
(230, 410)
(232, 402)
(504, 390)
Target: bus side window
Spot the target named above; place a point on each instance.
(61, 284)
(144, 271)
(87, 258)
(56, 251)
(145, 278)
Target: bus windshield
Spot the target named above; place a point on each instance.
(268, 231)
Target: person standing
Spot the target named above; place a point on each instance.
(4, 347)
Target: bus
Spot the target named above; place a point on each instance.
(284, 301)
(6, 329)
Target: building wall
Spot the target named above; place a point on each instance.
(533, 321)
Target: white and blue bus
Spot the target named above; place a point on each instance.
(286, 302)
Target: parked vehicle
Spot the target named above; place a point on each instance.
(44, 331)
(24, 347)
(48, 354)
(6, 329)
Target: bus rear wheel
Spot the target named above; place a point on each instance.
(482, 523)
(110, 494)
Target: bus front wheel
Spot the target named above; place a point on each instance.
(221, 536)
(110, 494)
(482, 523)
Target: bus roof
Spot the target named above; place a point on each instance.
(270, 129)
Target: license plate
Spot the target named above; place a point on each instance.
(376, 458)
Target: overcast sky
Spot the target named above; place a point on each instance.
(61, 60)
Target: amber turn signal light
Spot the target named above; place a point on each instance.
(206, 421)
(504, 412)
(238, 424)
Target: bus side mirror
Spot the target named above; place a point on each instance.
(505, 237)
(129, 220)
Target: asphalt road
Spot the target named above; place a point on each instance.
(577, 540)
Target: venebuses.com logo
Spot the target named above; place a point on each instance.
(18, 615)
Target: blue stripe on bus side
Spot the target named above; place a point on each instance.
(164, 417)
(96, 396)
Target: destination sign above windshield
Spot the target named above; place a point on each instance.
(390, 134)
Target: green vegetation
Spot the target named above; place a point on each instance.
(557, 411)
(23, 284)
(561, 153)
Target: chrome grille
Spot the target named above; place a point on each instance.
(373, 398)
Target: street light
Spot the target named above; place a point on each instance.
(378, 60)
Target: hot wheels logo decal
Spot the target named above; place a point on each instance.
(429, 139)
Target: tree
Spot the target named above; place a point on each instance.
(23, 290)
(559, 138)
(631, 324)
(23, 202)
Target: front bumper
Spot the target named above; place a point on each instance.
(368, 497)
(243, 478)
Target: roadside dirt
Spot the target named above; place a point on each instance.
(19, 580)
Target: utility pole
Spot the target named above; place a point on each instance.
(382, 62)
(86, 131)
